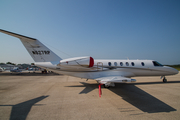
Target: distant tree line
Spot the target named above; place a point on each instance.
(11, 63)
(14, 63)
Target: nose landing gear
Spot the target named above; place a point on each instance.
(164, 80)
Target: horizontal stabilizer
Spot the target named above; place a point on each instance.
(16, 35)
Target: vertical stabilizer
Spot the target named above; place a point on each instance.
(38, 51)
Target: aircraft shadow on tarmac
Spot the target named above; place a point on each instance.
(21, 110)
(135, 96)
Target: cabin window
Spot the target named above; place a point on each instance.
(121, 63)
(127, 64)
(142, 63)
(115, 63)
(156, 63)
(109, 63)
(132, 63)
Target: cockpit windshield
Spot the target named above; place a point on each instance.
(156, 63)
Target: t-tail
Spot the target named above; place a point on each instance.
(38, 51)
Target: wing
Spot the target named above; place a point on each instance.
(114, 79)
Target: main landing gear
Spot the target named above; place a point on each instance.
(106, 86)
(44, 71)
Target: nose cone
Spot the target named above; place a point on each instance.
(170, 70)
(174, 71)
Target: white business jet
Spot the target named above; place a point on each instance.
(105, 72)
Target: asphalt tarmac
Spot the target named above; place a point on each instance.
(36, 96)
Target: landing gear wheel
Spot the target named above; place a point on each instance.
(44, 71)
(106, 86)
(164, 80)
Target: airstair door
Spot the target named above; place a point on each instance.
(100, 66)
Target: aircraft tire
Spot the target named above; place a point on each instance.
(106, 86)
(164, 80)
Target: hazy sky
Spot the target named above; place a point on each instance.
(103, 29)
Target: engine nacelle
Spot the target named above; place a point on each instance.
(77, 62)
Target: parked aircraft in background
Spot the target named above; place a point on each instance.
(105, 72)
(31, 69)
(1, 69)
(16, 70)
